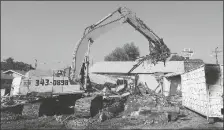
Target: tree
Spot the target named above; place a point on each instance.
(9, 63)
(181, 58)
(177, 58)
(132, 51)
(129, 52)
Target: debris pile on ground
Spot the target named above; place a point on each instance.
(134, 102)
(8, 116)
(10, 101)
(112, 107)
(110, 85)
(18, 121)
(7, 101)
(144, 109)
(151, 100)
(115, 123)
(12, 104)
(100, 87)
(77, 123)
(175, 100)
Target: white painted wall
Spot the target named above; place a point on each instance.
(15, 86)
(149, 80)
(166, 86)
(16, 75)
(2, 92)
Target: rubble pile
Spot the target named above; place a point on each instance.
(151, 99)
(9, 116)
(99, 87)
(113, 109)
(140, 106)
(9, 102)
(141, 102)
(19, 104)
(134, 102)
(6, 101)
(103, 109)
(115, 123)
(165, 108)
(175, 100)
(135, 110)
(110, 85)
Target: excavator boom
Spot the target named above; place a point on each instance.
(122, 15)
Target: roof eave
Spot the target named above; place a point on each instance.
(14, 72)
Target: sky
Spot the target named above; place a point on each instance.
(49, 30)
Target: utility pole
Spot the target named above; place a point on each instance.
(216, 54)
(35, 64)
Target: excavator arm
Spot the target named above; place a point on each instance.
(158, 50)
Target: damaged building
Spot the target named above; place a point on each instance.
(159, 78)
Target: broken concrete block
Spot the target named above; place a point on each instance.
(120, 88)
(116, 108)
(135, 113)
(172, 116)
(144, 112)
(102, 117)
(125, 94)
(105, 115)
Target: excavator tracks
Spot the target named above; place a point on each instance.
(62, 104)
(82, 106)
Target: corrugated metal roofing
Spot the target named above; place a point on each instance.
(5, 76)
(21, 72)
(125, 66)
(173, 74)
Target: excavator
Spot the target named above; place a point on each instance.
(158, 52)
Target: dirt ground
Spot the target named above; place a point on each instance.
(13, 121)
(192, 120)
(82, 120)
